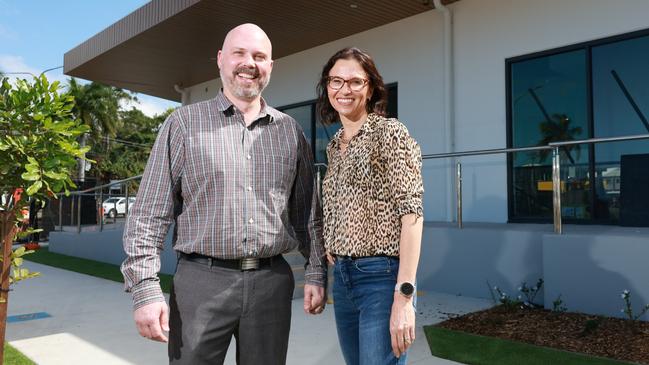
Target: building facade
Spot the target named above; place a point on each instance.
(495, 74)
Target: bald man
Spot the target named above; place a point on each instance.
(235, 177)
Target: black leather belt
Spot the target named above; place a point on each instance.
(246, 264)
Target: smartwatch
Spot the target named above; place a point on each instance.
(406, 289)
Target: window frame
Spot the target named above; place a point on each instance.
(587, 47)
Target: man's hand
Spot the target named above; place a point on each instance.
(314, 299)
(151, 320)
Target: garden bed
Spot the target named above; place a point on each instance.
(575, 332)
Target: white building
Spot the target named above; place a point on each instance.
(473, 75)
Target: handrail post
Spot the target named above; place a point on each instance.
(458, 189)
(101, 210)
(79, 214)
(72, 210)
(115, 207)
(556, 190)
(318, 183)
(127, 200)
(318, 179)
(61, 213)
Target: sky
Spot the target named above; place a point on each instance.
(34, 35)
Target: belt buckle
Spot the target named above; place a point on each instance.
(250, 263)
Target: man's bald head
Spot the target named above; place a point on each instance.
(245, 62)
(250, 32)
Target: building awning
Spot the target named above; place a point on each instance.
(174, 42)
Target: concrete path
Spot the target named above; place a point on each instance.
(90, 322)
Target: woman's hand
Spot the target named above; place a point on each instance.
(330, 259)
(402, 324)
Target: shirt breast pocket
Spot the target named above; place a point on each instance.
(279, 171)
(208, 159)
(359, 172)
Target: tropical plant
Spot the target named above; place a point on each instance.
(97, 106)
(38, 150)
(558, 129)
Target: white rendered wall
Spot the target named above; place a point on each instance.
(410, 52)
(487, 33)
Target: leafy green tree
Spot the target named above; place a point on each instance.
(97, 106)
(38, 150)
(126, 154)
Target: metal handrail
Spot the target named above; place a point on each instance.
(556, 177)
(484, 152)
(600, 140)
(556, 168)
(79, 193)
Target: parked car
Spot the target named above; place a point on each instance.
(112, 207)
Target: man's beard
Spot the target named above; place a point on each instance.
(246, 91)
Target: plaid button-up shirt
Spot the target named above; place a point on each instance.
(232, 191)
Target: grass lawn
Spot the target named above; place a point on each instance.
(88, 267)
(14, 357)
(479, 350)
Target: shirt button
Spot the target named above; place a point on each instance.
(251, 220)
(249, 188)
(248, 157)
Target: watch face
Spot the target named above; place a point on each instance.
(407, 289)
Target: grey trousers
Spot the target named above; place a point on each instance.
(209, 305)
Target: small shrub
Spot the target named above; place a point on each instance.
(628, 308)
(530, 294)
(590, 326)
(500, 297)
(524, 300)
(558, 305)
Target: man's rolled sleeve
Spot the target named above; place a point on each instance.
(306, 217)
(316, 275)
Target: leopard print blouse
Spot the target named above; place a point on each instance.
(367, 191)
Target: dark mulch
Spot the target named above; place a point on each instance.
(594, 335)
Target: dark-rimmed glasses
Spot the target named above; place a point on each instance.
(355, 84)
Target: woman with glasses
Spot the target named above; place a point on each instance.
(372, 201)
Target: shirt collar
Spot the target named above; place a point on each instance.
(368, 127)
(224, 104)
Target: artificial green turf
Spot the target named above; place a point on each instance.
(15, 357)
(88, 267)
(480, 350)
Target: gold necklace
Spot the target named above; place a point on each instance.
(343, 140)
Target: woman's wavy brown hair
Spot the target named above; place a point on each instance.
(377, 103)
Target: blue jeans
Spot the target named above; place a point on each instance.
(363, 294)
